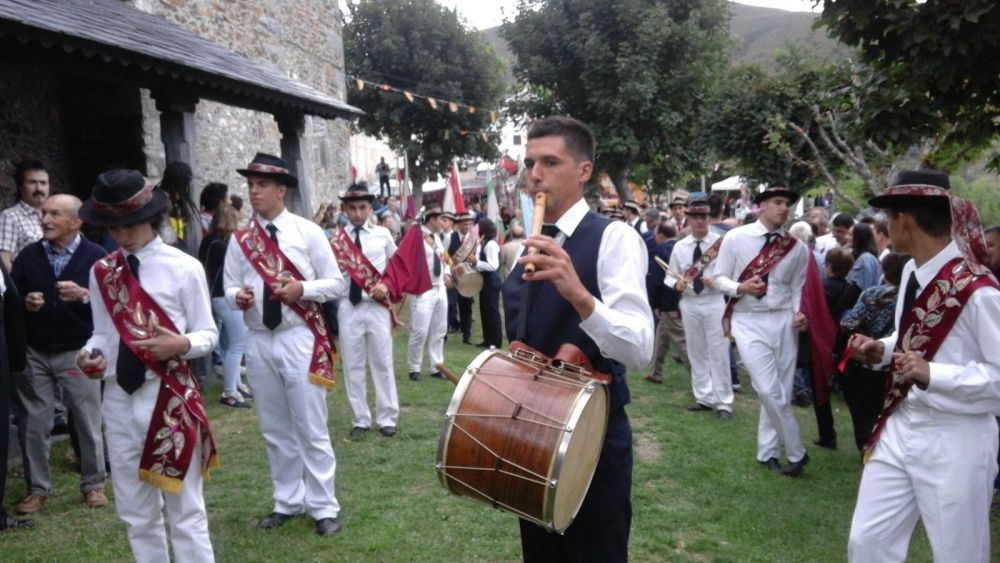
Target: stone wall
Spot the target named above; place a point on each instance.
(301, 38)
(31, 127)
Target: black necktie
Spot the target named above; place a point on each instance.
(437, 259)
(272, 307)
(355, 294)
(912, 285)
(770, 237)
(699, 285)
(130, 369)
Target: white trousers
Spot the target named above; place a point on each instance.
(931, 466)
(428, 323)
(769, 345)
(708, 350)
(366, 334)
(292, 413)
(141, 505)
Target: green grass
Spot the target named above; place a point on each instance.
(698, 493)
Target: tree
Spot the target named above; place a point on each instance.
(421, 47)
(634, 70)
(942, 55)
(809, 122)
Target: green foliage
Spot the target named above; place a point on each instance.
(750, 111)
(984, 192)
(941, 59)
(422, 47)
(636, 71)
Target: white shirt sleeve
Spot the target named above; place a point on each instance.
(201, 332)
(329, 283)
(492, 262)
(622, 322)
(725, 266)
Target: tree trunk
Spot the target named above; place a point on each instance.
(619, 177)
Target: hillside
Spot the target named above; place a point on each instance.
(758, 34)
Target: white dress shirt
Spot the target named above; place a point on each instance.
(306, 246)
(430, 249)
(965, 371)
(176, 282)
(682, 258)
(784, 282)
(622, 322)
(825, 243)
(492, 262)
(377, 245)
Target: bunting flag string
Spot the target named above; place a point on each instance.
(453, 107)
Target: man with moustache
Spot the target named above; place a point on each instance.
(761, 267)
(21, 224)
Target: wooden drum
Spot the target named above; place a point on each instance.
(523, 434)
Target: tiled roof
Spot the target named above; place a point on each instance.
(116, 31)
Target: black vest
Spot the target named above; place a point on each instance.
(553, 320)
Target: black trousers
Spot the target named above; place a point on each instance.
(864, 392)
(383, 186)
(453, 323)
(601, 528)
(489, 309)
(4, 412)
(465, 316)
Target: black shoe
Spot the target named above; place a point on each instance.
(772, 464)
(482, 345)
(388, 431)
(327, 526)
(437, 375)
(10, 523)
(60, 426)
(802, 401)
(273, 520)
(358, 431)
(467, 341)
(725, 415)
(677, 360)
(828, 444)
(795, 468)
(697, 407)
(414, 376)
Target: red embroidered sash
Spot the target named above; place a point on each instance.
(923, 328)
(178, 419)
(706, 258)
(765, 261)
(353, 261)
(270, 263)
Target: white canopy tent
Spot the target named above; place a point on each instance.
(732, 183)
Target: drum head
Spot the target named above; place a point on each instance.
(577, 456)
(470, 284)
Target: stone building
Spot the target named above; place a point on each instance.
(95, 84)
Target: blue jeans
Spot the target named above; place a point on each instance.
(235, 341)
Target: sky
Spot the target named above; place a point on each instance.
(482, 14)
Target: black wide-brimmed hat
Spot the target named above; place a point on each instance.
(269, 166)
(914, 187)
(356, 192)
(776, 190)
(122, 197)
(697, 207)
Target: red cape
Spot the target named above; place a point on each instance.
(822, 332)
(406, 271)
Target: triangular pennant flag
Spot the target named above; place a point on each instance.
(432, 102)
(472, 109)
(384, 87)
(360, 84)
(408, 96)
(493, 117)
(453, 107)
(484, 137)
